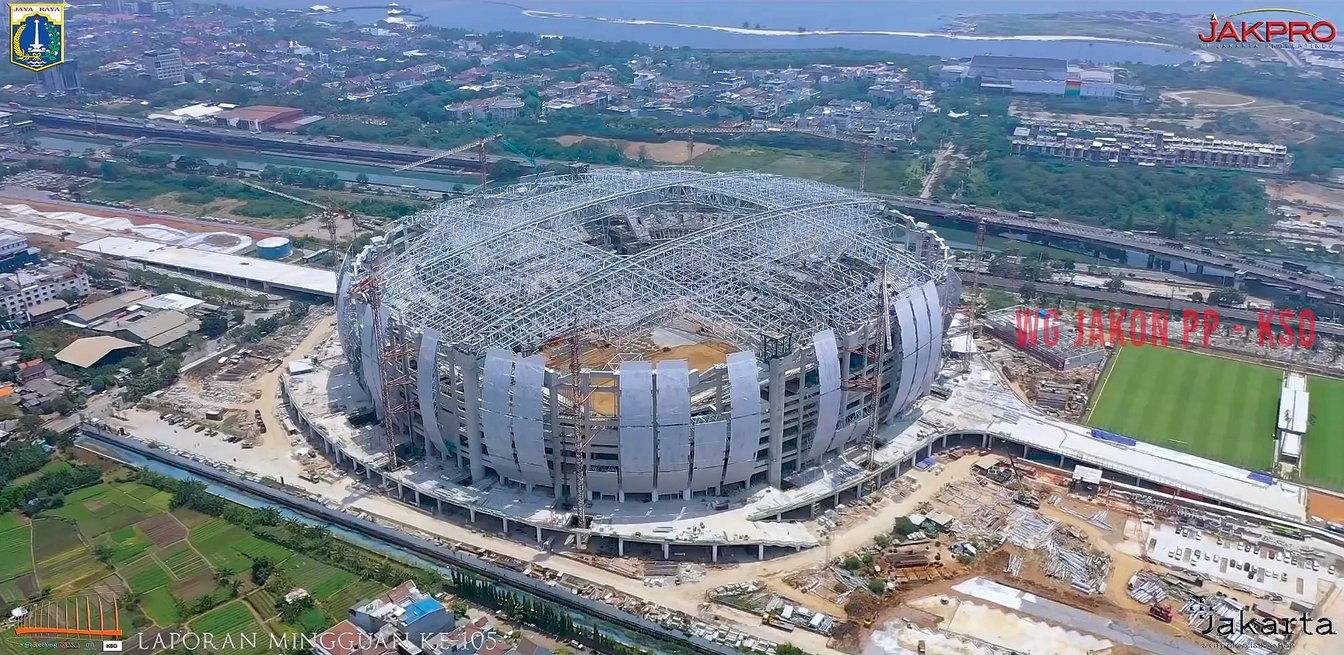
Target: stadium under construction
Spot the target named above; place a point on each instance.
(697, 356)
(646, 335)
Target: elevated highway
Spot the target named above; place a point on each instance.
(139, 128)
(1263, 269)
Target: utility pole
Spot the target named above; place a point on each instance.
(883, 328)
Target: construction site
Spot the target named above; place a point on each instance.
(941, 527)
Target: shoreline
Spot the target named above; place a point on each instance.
(537, 13)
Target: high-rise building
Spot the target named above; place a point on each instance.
(165, 65)
(61, 78)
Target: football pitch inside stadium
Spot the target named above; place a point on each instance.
(1321, 461)
(1209, 406)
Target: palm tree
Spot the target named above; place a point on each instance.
(269, 516)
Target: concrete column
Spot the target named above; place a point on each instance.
(472, 514)
(667, 551)
(944, 442)
(438, 505)
(714, 553)
(760, 551)
(417, 496)
(620, 496)
(774, 469)
(685, 494)
(471, 384)
(557, 476)
(506, 525)
(984, 441)
(538, 534)
(620, 547)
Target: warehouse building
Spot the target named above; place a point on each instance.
(1042, 76)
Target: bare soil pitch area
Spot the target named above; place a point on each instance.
(667, 152)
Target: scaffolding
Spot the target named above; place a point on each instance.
(765, 256)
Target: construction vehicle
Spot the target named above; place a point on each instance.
(776, 623)
(1161, 612)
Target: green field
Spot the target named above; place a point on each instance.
(886, 174)
(128, 518)
(145, 574)
(1200, 404)
(1322, 463)
(233, 619)
(16, 544)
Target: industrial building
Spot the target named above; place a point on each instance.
(263, 274)
(1152, 148)
(265, 117)
(1041, 76)
(27, 289)
(673, 333)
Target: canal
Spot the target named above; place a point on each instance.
(252, 160)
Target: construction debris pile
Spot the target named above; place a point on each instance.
(1067, 553)
(775, 610)
(832, 583)
(979, 510)
(664, 574)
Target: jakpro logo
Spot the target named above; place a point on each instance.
(1266, 31)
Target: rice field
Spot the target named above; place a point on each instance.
(102, 508)
(77, 565)
(340, 602)
(319, 579)
(235, 620)
(182, 561)
(127, 544)
(226, 545)
(159, 606)
(16, 544)
(52, 536)
(145, 574)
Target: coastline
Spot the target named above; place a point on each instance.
(537, 13)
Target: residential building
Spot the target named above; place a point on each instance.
(61, 78)
(29, 287)
(165, 65)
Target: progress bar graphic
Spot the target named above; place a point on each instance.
(78, 616)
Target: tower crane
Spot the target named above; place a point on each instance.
(479, 146)
(865, 144)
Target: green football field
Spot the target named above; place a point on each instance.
(1217, 408)
(1323, 448)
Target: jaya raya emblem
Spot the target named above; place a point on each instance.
(36, 35)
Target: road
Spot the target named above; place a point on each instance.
(1261, 268)
(389, 155)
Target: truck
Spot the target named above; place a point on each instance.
(1026, 214)
(1160, 612)
(1295, 267)
(335, 138)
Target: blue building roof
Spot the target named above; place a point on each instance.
(422, 608)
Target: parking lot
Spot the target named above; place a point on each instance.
(1261, 569)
